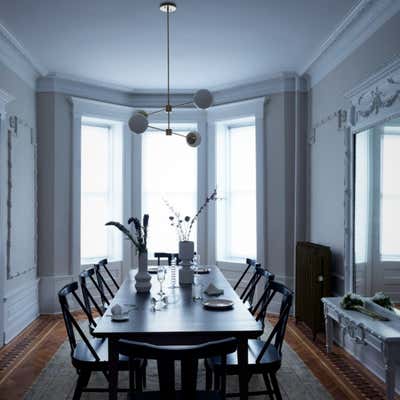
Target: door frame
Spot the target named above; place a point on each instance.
(5, 98)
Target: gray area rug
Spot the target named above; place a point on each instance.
(58, 378)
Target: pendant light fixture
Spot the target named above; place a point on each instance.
(202, 99)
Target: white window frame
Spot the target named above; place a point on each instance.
(84, 108)
(114, 128)
(250, 108)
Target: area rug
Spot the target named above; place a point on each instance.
(58, 378)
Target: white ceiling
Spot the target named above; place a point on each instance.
(214, 43)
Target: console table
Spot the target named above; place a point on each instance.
(383, 336)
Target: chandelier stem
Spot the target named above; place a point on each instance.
(168, 83)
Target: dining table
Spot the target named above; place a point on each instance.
(183, 321)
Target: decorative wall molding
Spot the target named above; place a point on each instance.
(21, 308)
(361, 22)
(12, 134)
(5, 98)
(18, 59)
(339, 115)
(374, 101)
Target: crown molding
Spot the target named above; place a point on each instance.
(372, 80)
(286, 82)
(361, 22)
(18, 59)
(281, 83)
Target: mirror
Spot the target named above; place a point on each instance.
(377, 210)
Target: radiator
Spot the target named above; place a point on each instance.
(313, 266)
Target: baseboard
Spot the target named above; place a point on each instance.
(48, 290)
(21, 308)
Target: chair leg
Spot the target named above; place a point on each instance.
(132, 379)
(144, 371)
(139, 379)
(217, 381)
(268, 386)
(208, 377)
(82, 382)
(275, 385)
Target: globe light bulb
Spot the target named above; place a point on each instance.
(138, 123)
(193, 139)
(203, 99)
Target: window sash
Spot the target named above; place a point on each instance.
(225, 233)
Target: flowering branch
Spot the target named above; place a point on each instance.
(184, 226)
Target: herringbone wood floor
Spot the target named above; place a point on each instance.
(22, 360)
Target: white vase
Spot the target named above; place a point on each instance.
(186, 253)
(143, 278)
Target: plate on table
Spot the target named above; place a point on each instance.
(119, 318)
(218, 304)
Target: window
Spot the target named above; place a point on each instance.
(390, 195)
(101, 190)
(236, 185)
(169, 171)
(361, 198)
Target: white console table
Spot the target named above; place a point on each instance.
(383, 336)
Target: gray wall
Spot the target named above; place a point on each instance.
(326, 156)
(19, 311)
(54, 185)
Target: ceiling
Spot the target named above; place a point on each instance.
(214, 44)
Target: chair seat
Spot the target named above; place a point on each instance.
(271, 359)
(82, 355)
(200, 395)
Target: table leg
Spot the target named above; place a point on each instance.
(243, 368)
(328, 331)
(113, 363)
(390, 376)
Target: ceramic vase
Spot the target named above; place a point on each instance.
(143, 278)
(186, 252)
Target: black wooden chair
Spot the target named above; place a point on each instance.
(102, 272)
(86, 278)
(88, 355)
(188, 357)
(249, 263)
(259, 276)
(89, 275)
(259, 309)
(167, 256)
(263, 357)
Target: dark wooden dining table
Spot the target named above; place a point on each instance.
(183, 322)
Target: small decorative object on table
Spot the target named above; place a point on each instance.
(143, 277)
(383, 300)
(186, 247)
(352, 301)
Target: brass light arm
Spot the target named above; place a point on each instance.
(156, 111)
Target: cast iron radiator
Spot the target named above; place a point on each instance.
(313, 266)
